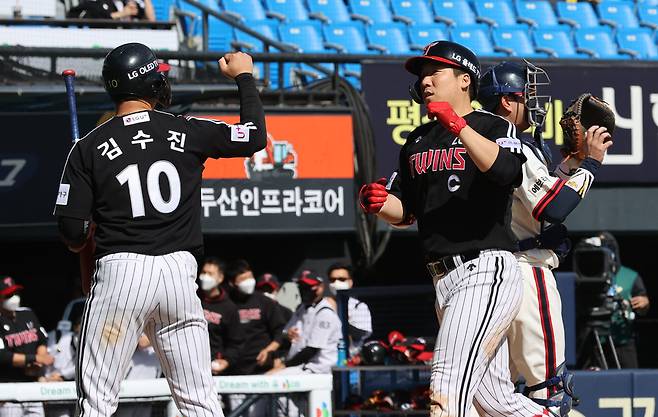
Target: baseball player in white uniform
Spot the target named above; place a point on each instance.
(314, 331)
(540, 205)
(139, 176)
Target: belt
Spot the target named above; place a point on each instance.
(530, 243)
(440, 268)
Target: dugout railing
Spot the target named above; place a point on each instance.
(317, 388)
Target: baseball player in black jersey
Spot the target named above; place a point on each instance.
(456, 177)
(23, 352)
(138, 176)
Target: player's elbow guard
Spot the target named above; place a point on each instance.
(559, 208)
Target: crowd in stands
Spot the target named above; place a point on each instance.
(250, 331)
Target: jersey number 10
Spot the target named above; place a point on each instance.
(130, 175)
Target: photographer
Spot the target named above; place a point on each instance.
(626, 295)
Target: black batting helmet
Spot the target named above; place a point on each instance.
(509, 78)
(373, 353)
(132, 71)
(449, 53)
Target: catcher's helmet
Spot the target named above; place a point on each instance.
(132, 71)
(373, 353)
(445, 52)
(509, 78)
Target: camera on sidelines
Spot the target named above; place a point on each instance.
(596, 262)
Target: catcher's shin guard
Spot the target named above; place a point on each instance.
(562, 398)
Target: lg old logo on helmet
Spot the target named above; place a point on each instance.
(143, 70)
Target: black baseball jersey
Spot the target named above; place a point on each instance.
(23, 334)
(457, 207)
(262, 323)
(139, 175)
(224, 328)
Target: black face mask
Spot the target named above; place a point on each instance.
(307, 294)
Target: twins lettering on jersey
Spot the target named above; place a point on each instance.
(22, 338)
(212, 317)
(433, 160)
(249, 314)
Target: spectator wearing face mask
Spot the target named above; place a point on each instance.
(314, 332)
(358, 314)
(224, 329)
(260, 319)
(23, 352)
(269, 285)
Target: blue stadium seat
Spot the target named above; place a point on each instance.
(193, 26)
(638, 40)
(423, 35)
(247, 42)
(579, 14)
(598, 42)
(618, 14)
(412, 11)
(304, 35)
(476, 38)
(538, 13)
(453, 12)
(370, 11)
(495, 12)
(307, 37)
(245, 9)
(389, 38)
(516, 41)
(648, 15)
(287, 10)
(220, 35)
(163, 9)
(556, 42)
(329, 11)
(346, 38)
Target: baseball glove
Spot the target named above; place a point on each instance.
(584, 112)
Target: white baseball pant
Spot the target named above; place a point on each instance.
(133, 294)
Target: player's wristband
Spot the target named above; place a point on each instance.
(590, 164)
(30, 358)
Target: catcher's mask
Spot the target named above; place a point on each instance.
(508, 78)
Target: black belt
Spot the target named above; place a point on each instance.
(530, 243)
(440, 267)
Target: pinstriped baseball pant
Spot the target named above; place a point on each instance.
(535, 339)
(31, 409)
(131, 294)
(476, 303)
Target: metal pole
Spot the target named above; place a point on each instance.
(204, 29)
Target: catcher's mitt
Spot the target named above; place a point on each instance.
(584, 112)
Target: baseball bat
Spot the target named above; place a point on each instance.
(69, 78)
(87, 252)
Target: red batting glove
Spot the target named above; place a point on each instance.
(443, 112)
(373, 196)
